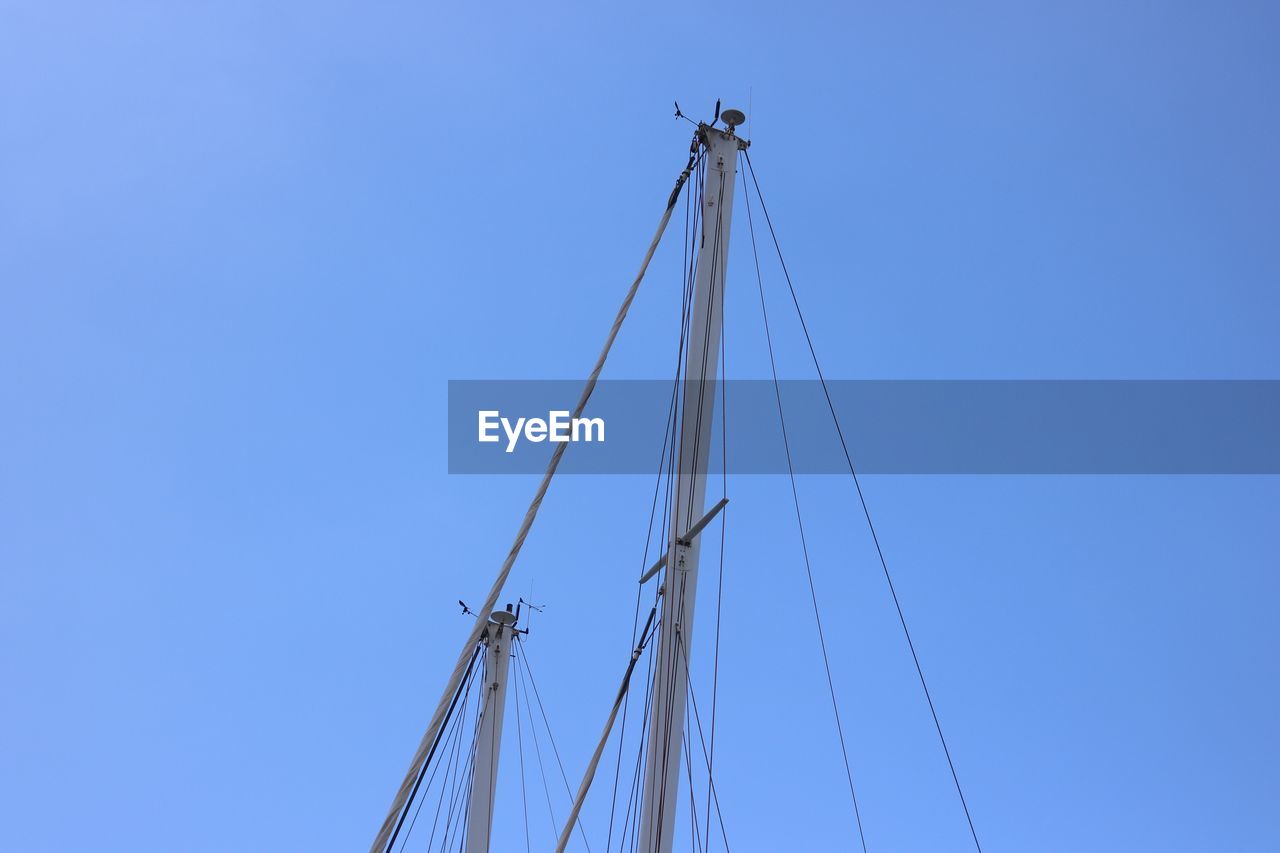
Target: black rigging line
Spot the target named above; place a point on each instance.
(671, 506)
(696, 840)
(667, 463)
(453, 736)
(711, 785)
(804, 547)
(632, 795)
(955, 777)
(455, 798)
(445, 782)
(644, 561)
(657, 487)
(453, 703)
(483, 700)
(464, 812)
(677, 601)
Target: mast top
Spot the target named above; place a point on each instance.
(733, 118)
(503, 617)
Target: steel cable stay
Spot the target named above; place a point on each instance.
(524, 661)
(524, 796)
(667, 458)
(666, 474)
(452, 722)
(694, 838)
(622, 733)
(672, 440)
(537, 749)
(804, 546)
(453, 739)
(676, 582)
(448, 784)
(862, 501)
(724, 522)
(463, 794)
(629, 837)
(670, 674)
(671, 437)
(459, 779)
(593, 764)
(667, 442)
(713, 796)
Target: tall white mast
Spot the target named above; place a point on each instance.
(671, 676)
(499, 639)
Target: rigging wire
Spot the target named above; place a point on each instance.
(633, 804)
(446, 783)
(804, 546)
(670, 509)
(711, 786)
(452, 735)
(524, 798)
(461, 789)
(524, 659)
(464, 812)
(589, 774)
(884, 565)
(546, 790)
(696, 840)
(676, 598)
(380, 843)
(657, 488)
(453, 704)
(724, 522)
(628, 831)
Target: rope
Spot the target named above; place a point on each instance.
(382, 841)
(865, 510)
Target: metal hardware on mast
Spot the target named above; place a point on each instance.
(499, 638)
(670, 680)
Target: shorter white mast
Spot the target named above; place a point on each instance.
(498, 637)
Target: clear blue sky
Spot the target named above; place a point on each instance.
(243, 246)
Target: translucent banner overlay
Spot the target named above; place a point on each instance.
(890, 426)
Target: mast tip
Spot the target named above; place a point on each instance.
(733, 118)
